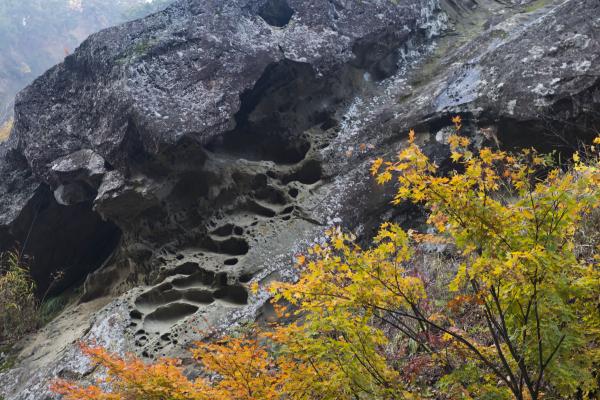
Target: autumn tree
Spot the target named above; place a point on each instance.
(519, 318)
(513, 218)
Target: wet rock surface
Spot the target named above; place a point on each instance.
(204, 146)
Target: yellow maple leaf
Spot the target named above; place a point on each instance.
(457, 121)
(376, 165)
(384, 177)
(453, 141)
(486, 155)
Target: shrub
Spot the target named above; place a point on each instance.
(18, 304)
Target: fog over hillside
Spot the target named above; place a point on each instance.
(36, 34)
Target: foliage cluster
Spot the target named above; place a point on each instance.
(18, 304)
(518, 320)
(21, 311)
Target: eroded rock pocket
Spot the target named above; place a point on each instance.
(276, 12)
(188, 288)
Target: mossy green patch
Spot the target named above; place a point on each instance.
(7, 359)
(141, 48)
(537, 5)
(52, 307)
(138, 50)
(499, 34)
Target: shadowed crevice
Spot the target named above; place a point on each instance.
(276, 13)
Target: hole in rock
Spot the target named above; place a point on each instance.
(259, 209)
(308, 174)
(221, 279)
(232, 294)
(199, 296)
(270, 195)
(156, 297)
(166, 315)
(224, 230)
(64, 243)
(276, 13)
(231, 261)
(232, 246)
(185, 269)
(200, 278)
(288, 210)
(293, 192)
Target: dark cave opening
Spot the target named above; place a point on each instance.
(63, 244)
(543, 135)
(564, 136)
(287, 99)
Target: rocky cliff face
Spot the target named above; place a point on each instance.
(171, 161)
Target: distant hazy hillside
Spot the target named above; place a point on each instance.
(36, 34)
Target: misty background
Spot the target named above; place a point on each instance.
(37, 34)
